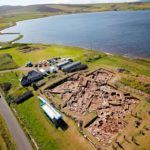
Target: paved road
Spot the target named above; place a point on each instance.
(14, 127)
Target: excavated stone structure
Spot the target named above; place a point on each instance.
(87, 93)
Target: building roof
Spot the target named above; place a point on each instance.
(50, 110)
(72, 65)
(63, 63)
(43, 71)
(31, 75)
(24, 97)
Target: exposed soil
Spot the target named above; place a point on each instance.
(28, 49)
(89, 93)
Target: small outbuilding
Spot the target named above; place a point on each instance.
(23, 97)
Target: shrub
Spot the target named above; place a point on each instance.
(5, 86)
(9, 99)
(94, 58)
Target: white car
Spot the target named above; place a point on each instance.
(53, 69)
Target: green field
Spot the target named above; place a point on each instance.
(139, 85)
(44, 132)
(6, 62)
(46, 52)
(136, 66)
(6, 141)
(32, 117)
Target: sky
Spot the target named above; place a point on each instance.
(31, 2)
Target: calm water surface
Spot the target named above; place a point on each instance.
(124, 32)
(7, 37)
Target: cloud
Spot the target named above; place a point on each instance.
(30, 2)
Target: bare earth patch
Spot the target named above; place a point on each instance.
(27, 49)
(81, 94)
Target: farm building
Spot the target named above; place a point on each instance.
(63, 63)
(50, 111)
(31, 77)
(23, 97)
(75, 66)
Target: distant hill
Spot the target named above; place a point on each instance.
(10, 10)
(6, 10)
(11, 14)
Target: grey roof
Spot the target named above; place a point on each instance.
(72, 65)
(33, 74)
(63, 63)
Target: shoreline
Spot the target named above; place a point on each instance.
(79, 47)
(71, 13)
(83, 48)
(20, 36)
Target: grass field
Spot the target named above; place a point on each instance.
(42, 130)
(46, 52)
(6, 62)
(139, 85)
(136, 66)
(6, 141)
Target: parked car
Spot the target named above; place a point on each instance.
(29, 64)
(36, 65)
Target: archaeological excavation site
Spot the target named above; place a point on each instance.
(98, 106)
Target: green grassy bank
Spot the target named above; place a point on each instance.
(135, 66)
(6, 62)
(6, 141)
